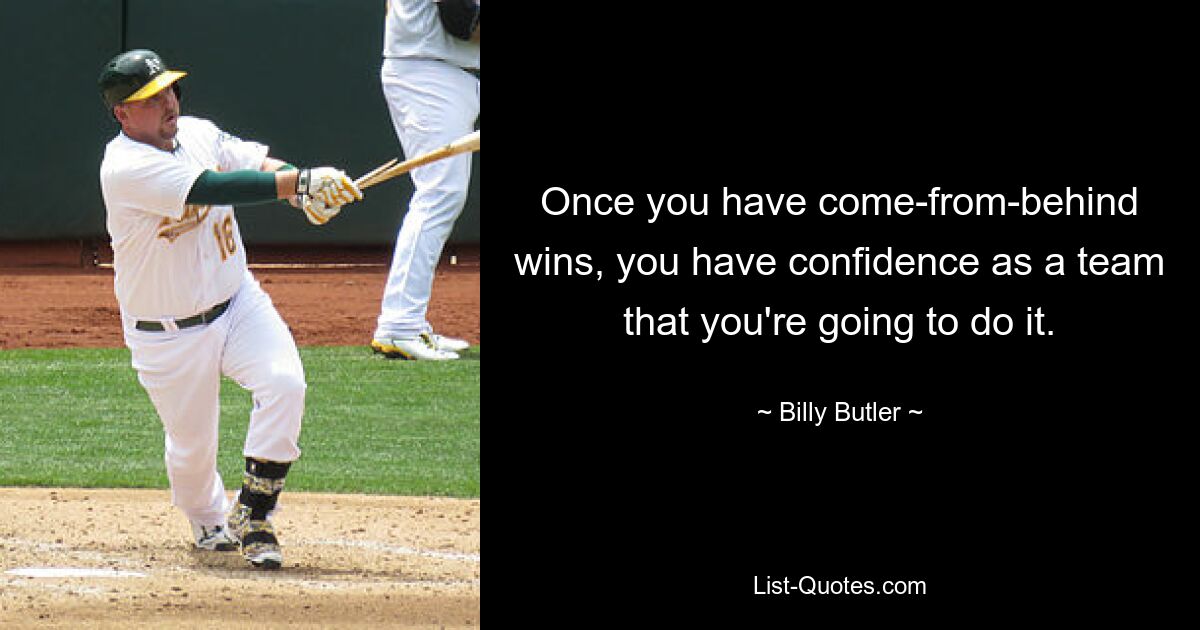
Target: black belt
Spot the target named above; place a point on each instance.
(210, 315)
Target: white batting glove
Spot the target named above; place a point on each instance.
(329, 185)
(317, 211)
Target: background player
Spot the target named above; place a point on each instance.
(430, 78)
(190, 309)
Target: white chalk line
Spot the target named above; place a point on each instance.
(368, 584)
(361, 544)
(21, 579)
(59, 548)
(407, 551)
(69, 572)
(74, 589)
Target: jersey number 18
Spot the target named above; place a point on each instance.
(223, 231)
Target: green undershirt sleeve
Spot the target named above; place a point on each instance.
(233, 188)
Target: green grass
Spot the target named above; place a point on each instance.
(79, 418)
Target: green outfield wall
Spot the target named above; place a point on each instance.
(301, 76)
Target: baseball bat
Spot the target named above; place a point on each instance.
(467, 143)
(377, 170)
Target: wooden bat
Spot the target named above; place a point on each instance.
(375, 171)
(388, 170)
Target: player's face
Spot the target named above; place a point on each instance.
(154, 120)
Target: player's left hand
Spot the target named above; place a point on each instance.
(330, 185)
(317, 211)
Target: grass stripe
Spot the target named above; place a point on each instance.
(79, 418)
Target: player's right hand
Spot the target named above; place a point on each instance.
(317, 211)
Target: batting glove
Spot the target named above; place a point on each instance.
(329, 185)
(317, 211)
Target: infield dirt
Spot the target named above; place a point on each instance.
(349, 560)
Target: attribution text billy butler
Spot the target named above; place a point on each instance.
(817, 413)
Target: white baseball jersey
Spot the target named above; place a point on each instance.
(173, 259)
(414, 30)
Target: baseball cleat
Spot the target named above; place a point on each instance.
(420, 347)
(214, 538)
(260, 546)
(449, 344)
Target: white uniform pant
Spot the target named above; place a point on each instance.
(432, 103)
(181, 371)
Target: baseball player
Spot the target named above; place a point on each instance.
(190, 309)
(430, 78)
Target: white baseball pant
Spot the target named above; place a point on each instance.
(181, 371)
(432, 103)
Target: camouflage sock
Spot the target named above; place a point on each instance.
(261, 484)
